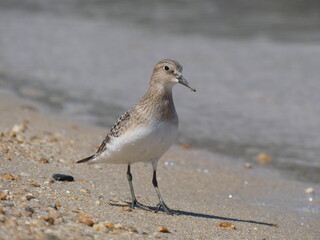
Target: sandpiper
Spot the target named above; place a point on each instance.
(146, 131)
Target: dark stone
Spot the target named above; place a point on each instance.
(62, 177)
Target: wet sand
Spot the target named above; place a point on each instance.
(206, 191)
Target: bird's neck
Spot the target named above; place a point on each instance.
(158, 101)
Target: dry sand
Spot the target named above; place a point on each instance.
(207, 191)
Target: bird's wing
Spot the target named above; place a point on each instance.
(115, 131)
(86, 159)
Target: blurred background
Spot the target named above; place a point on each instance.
(255, 65)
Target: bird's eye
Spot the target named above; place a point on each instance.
(166, 68)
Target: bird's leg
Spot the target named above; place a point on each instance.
(134, 203)
(161, 202)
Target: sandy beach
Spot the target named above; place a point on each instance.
(213, 197)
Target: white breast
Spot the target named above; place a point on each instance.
(141, 144)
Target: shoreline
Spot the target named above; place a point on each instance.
(205, 189)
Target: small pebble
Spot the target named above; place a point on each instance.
(100, 227)
(226, 225)
(48, 182)
(87, 222)
(116, 231)
(29, 197)
(248, 165)
(3, 196)
(20, 138)
(12, 134)
(43, 160)
(127, 208)
(132, 229)
(186, 146)
(8, 176)
(19, 127)
(263, 158)
(109, 225)
(309, 190)
(54, 139)
(24, 174)
(83, 190)
(33, 138)
(85, 219)
(34, 185)
(56, 205)
(49, 220)
(163, 229)
(62, 177)
(118, 226)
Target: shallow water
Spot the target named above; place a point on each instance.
(255, 67)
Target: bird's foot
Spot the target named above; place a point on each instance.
(136, 204)
(162, 205)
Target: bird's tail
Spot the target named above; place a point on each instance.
(86, 159)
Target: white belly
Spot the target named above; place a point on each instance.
(140, 145)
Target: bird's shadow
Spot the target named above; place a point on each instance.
(208, 216)
(197, 215)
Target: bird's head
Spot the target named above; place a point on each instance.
(168, 73)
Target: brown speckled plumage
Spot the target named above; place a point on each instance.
(146, 131)
(157, 103)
